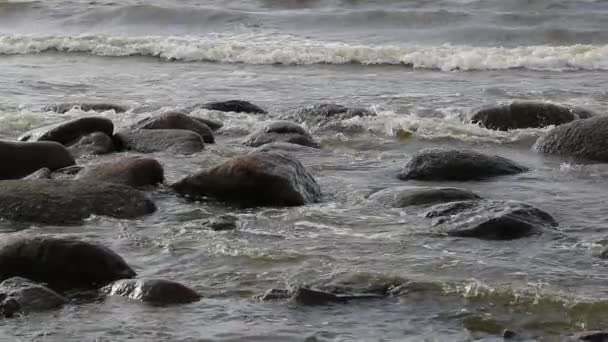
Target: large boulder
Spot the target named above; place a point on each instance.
(526, 115)
(237, 106)
(457, 165)
(406, 196)
(177, 120)
(325, 114)
(57, 202)
(71, 131)
(489, 219)
(177, 141)
(61, 263)
(85, 107)
(281, 131)
(582, 139)
(22, 296)
(93, 144)
(256, 179)
(19, 159)
(132, 171)
(157, 291)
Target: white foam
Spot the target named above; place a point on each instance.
(285, 49)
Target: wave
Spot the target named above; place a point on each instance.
(289, 50)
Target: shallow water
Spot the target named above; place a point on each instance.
(423, 67)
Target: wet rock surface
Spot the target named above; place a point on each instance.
(326, 114)
(159, 140)
(131, 171)
(19, 159)
(156, 291)
(406, 196)
(281, 131)
(22, 296)
(222, 223)
(71, 131)
(177, 120)
(97, 143)
(582, 139)
(237, 106)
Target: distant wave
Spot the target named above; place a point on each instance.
(289, 50)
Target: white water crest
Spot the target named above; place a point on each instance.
(290, 50)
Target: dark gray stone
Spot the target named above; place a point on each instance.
(177, 120)
(22, 296)
(526, 115)
(274, 294)
(156, 291)
(97, 143)
(71, 131)
(19, 159)
(281, 131)
(159, 140)
(237, 106)
(85, 107)
(304, 296)
(457, 165)
(489, 219)
(256, 179)
(221, 223)
(214, 125)
(29, 201)
(131, 171)
(590, 336)
(406, 196)
(61, 263)
(581, 139)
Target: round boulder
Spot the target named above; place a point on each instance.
(176, 120)
(58, 202)
(281, 131)
(581, 139)
(457, 165)
(526, 115)
(489, 219)
(63, 264)
(132, 171)
(85, 107)
(19, 159)
(406, 196)
(22, 296)
(256, 179)
(71, 131)
(156, 291)
(237, 106)
(177, 141)
(93, 144)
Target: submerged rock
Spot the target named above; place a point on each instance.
(281, 131)
(93, 144)
(61, 263)
(44, 173)
(406, 196)
(256, 179)
(590, 336)
(157, 291)
(526, 115)
(131, 171)
(457, 165)
(176, 120)
(19, 159)
(582, 139)
(29, 201)
(284, 147)
(85, 107)
(237, 106)
(213, 124)
(324, 114)
(312, 297)
(159, 140)
(489, 219)
(274, 294)
(22, 296)
(71, 131)
(221, 223)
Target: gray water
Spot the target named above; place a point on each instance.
(422, 66)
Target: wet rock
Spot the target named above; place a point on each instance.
(508, 334)
(29, 201)
(85, 107)
(457, 165)
(71, 131)
(327, 115)
(131, 171)
(22, 296)
(19, 159)
(221, 223)
(256, 179)
(406, 196)
(97, 143)
(285, 147)
(176, 120)
(214, 125)
(281, 131)
(489, 219)
(159, 140)
(274, 294)
(44, 173)
(157, 291)
(237, 106)
(61, 263)
(590, 336)
(526, 115)
(304, 296)
(581, 139)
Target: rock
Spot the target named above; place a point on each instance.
(526, 115)
(158, 291)
(325, 114)
(214, 125)
(72, 201)
(71, 131)
(131, 171)
(281, 131)
(406, 196)
(221, 223)
(159, 140)
(285, 147)
(304, 296)
(19, 159)
(44, 173)
(457, 165)
(20, 295)
(61, 263)
(93, 144)
(237, 106)
(176, 120)
(489, 219)
(507, 334)
(274, 294)
(581, 139)
(256, 179)
(590, 336)
(85, 107)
